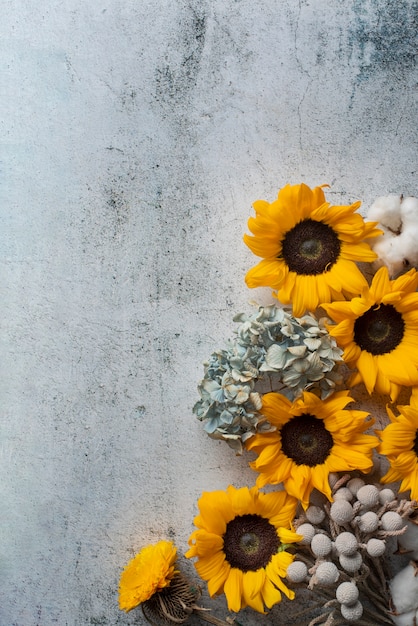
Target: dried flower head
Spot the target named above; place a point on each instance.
(273, 348)
(173, 604)
(148, 573)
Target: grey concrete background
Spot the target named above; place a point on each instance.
(135, 134)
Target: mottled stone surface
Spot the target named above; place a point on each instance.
(135, 136)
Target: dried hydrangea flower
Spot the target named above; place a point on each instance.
(270, 347)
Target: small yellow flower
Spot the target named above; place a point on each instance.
(400, 446)
(150, 571)
(240, 544)
(312, 439)
(379, 333)
(309, 248)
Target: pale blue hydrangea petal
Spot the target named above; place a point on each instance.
(270, 351)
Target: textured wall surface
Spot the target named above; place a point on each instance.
(135, 135)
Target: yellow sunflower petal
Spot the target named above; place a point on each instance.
(358, 252)
(277, 568)
(345, 447)
(278, 238)
(271, 595)
(230, 568)
(147, 573)
(279, 507)
(263, 247)
(252, 584)
(216, 581)
(211, 565)
(407, 282)
(268, 273)
(349, 277)
(233, 589)
(243, 500)
(207, 519)
(367, 366)
(288, 536)
(209, 543)
(276, 407)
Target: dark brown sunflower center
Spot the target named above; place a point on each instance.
(249, 542)
(306, 441)
(379, 330)
(310, 247)
(415, 446)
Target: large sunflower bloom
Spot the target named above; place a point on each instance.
(312, 439)
(308, 247)
(379, 333)
(400, 446)
(240, 544)
(149, 572)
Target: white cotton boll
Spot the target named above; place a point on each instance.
(352, 612)
(368, 496)
(407, 246)
(408, 542)
(351, 563)
(347, 593)
(327, 573)
(307, 531)
(387, 211)
(346, 543)
(387, 250)
(386, 495)
(315, 514)
(297, 572)
(406, 619)
(354, 485)
(321, 545)
(404, 589)
(343, 494)
(397, 248)
(409, 211)
(392, 521)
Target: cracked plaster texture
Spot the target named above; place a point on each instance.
(135, 137)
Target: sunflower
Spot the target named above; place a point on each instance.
(312, 439)
(308, 247)
(240, 544)
(149, 572)
(400, 445)
(379, 333)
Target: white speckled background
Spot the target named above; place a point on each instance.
(135, 135)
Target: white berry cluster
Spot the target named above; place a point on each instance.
(342, 553)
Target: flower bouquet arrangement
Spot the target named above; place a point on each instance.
(332, 520)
